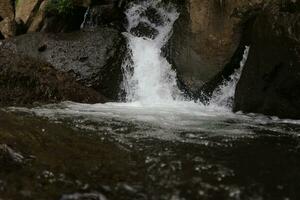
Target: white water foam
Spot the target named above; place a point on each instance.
(148, 77)
(224, 95)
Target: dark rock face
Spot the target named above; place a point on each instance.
(54, 23)
(144, 30)
(107, 14)
(93, 57)
(25, 81)
(270, 83)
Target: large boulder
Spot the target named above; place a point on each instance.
(66, 16)
(26, 10)
(206, 36)
(270, 82)
(93, 57)
(38, 19)
(25, 81)
(7, 15)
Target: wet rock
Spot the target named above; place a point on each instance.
(8, 155)
(57, 22)
(25, 81)
(93, 58)
(104, 14)
(206, 37)
(154, 16)
(144, 30)
(84, 196)
(270, 82)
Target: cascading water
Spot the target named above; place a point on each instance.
(148, 77)
(224, 94)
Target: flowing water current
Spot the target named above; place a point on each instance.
(176, 148)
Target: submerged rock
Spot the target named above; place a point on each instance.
(8, 155)
(25, 81)
(270, 82)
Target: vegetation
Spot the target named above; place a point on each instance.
(61, 7)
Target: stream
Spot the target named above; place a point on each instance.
(156, 145)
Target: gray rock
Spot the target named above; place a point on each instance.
(25, 81)
(92, 57)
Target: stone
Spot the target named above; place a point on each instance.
(144, 30)
(39, 18)
(270, 82)
(206, 36)
(8, 155)
(93, 58)
(25, 81)
(7, 23)
(26, 10)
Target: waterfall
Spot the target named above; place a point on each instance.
(224, 94)
(83, 24)
(148, 77)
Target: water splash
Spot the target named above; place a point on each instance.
(224, 94)
(86, 21)
(148, 77)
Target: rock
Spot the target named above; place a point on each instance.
(27, 9)
(82, 3)
(39, 18)
(8, 155)
(92, 57)
(144, 30)
(270, 82)
(55, 22)
(25, 81)
(153, 16)
(105, 13)
(206, 36)
(7, 23)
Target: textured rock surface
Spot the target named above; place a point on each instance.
(26, 10)
(39, 18)
(92, 57)
(206, 37)
(25, 81)
(7, 23)
(270, 82)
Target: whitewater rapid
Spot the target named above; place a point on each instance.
(148, 76)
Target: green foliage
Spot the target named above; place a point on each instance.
(60, 7)
(16, 2)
